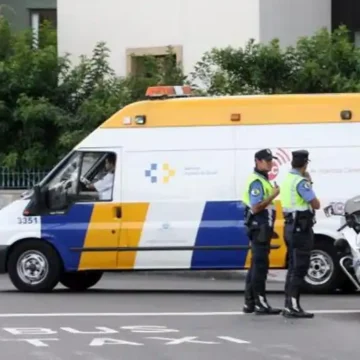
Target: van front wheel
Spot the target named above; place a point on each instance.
(80, 281)
(34, 266)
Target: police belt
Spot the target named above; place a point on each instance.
(304, 220)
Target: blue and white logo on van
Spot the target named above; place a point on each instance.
(159, 173)
(151, 173)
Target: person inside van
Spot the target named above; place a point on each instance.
(104, 186)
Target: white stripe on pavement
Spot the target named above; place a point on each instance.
(229, 313)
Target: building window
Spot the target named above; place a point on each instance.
(135, 58)
(38, 17)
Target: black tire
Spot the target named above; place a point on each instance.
(80, 281)
(323, 252)
(39, 249)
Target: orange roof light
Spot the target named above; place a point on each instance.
(168, 91)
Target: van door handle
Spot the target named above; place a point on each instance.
(118, 212)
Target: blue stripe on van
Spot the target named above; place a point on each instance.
(66, 231)
(221, 224)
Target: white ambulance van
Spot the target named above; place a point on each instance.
(158, 186)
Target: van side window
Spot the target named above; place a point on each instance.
(96, 180)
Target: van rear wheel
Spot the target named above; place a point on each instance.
(80, 281)
(34, 266)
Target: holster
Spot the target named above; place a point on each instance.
(261, 233)
(265, 233)
(248, 217)
(304, 221)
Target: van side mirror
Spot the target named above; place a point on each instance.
(37, 202)
(37, 193)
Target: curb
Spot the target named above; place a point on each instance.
(273, 275)
(205, 274)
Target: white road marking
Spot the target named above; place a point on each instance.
(144, 314)
(232, 339)
(109, 341)
(186, 339)
(35, 342)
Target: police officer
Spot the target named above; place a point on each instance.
(260, 215)
(298, 202)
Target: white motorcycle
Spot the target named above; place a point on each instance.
(348, 247)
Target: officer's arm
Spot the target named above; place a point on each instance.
(307, 193)
(257, 201)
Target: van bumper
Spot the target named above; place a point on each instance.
(3, 253)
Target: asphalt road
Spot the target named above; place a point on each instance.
(160, 317)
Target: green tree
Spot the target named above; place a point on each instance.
(323, 63)
(326, 63)
(47, 105)
(28, 82)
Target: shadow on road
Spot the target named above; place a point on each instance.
(137, 291)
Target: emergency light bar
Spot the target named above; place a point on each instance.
(168, 91)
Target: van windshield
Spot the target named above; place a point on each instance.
(70, 170)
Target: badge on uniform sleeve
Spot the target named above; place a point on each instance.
(255, 192)
(307, 185)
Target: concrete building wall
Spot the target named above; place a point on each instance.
(191, 27)
(290, 19)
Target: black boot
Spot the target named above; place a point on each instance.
(262, 307)
(286, 305)
(305, 314)
(287, 299)
(294, 310)
(249, 305)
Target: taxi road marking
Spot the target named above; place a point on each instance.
(41, 341)
(219, 313)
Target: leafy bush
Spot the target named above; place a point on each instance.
(47, 105)
(323, 63)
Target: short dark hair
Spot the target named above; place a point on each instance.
(298, 163)
(111, 158)
(299, 158)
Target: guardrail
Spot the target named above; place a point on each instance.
(17, 179)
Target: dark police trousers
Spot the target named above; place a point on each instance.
(299, 247)
(257, 273)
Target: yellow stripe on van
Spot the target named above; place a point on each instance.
(277, 257)
(103, 231)
(134, 217)
(252, 110)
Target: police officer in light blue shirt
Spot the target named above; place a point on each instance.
(299, 202)
(258, 196)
